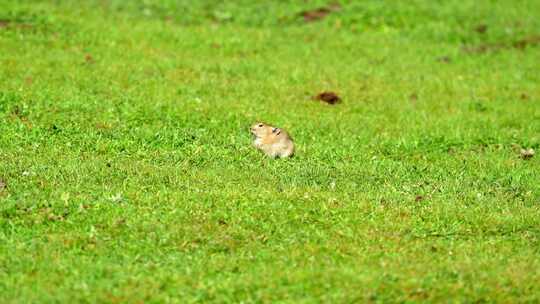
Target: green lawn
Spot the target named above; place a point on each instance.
(127, 173)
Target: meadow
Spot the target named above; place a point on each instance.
(127, 173)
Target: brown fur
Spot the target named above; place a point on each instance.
(274, 142)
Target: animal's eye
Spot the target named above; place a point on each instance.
(260, 125)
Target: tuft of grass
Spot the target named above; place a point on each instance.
(127, 173)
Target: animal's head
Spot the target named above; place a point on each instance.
(260, 129)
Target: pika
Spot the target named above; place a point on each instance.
(273, 141)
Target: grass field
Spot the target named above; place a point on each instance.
(127, 174)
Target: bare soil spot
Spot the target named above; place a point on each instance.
(527, 41)
(320, 13)
(328, 97)
(88, 58)
(481, 28)
(520, 44)
(6, 23)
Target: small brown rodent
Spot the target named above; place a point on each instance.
(273, 141)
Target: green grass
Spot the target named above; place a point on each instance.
(129, 174)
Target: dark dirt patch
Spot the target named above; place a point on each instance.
(419, 198)
(6, 23)
(520, 44)
(88, 58)
(524, 96)
(320, 13)
(481, 29)
(413, 97)
(316, 14)
(328, 97)
(527, 41)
